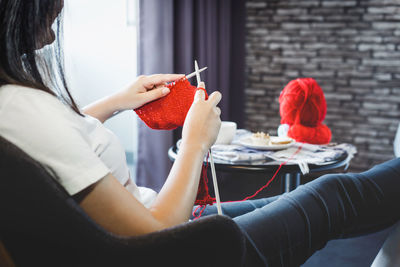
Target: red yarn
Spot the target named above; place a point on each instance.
(169, 112)
(319, 134)
(253, 195)
(203, 195)
(303, 108)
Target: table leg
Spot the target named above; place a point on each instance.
(290, 181)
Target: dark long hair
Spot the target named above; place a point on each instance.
(25, 30)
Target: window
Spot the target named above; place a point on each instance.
(100, 55)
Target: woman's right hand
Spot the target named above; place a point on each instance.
(203, 121)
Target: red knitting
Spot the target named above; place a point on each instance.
(303, 108)
(169, 112)
(203, 195)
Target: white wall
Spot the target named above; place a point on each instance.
(100, 55)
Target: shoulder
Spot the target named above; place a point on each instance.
(27, 106)
(51, 133)
(15, 96)
(34, 115)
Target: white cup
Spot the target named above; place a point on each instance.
(226, 133)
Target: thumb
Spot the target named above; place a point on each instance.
(154, 94)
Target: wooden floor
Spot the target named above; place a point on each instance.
(5, 259)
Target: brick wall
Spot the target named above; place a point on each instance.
(352, 49)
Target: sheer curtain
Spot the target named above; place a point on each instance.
(171, 35)
(100, 56)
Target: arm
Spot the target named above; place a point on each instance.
(145, 89)
(104, 108)
(114, 208)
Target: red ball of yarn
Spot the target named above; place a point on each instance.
(303, 108)
(320, 134)
(169, 112)
(302, 101)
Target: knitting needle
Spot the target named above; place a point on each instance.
(213, 174)
(214, 177)
(187, 77)
(197, 72)
(194, 73)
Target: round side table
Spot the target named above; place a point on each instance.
(290, 173)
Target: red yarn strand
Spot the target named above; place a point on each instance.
(203, 206)
(203, 195)
(195, 210)
(270, 180)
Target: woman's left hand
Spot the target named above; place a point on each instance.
(146, 89)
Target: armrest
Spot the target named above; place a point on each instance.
(210, 241)
(389, 253)
(5, 259)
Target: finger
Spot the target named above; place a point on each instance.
(154, 94)
(157, 79)
(201, 85)
(199, 95)
(217, 111)
(157, 87)
(215, 97)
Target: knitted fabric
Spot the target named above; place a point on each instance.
(169, 112)
(203, 195)
(303, 108)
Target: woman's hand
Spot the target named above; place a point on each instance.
(203, 121)
(146, 89)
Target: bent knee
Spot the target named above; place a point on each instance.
(333, 180)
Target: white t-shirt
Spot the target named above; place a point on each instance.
(77, 150)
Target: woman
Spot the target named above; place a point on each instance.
(89, 163)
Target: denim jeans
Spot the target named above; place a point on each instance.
(286, 230)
